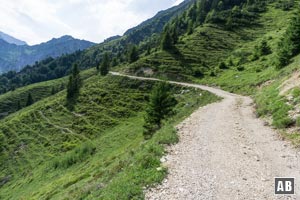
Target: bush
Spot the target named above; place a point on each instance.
(198, 73)
(240, 68)
(296, 92)
(222, 65)
(282, 122)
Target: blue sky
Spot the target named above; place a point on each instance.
(36, 21)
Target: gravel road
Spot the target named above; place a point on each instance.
(226, 153)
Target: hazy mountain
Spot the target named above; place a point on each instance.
(9, 39)
(15, 57)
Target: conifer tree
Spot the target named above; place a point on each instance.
(133, 54)
(160, 106)
(53, 91)
(289, 46)
(190, 27)
(30, 100)
(264, 48)
(74, 83)
(105, 64)
(167, 42)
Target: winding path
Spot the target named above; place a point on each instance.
(226, 153)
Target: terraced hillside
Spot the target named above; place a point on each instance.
(95, 151)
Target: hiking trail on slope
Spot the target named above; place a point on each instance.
(226, 153)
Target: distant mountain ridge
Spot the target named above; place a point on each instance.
(15, 57)
(9, 39)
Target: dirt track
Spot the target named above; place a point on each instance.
(226, 153)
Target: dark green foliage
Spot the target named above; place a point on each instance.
(167, 42)
(53, 91)
(222, 65)
(30, 100)
(283, 54)
(133, 54)
(48, 69)
(240, 68)
(160, 106)
(285, 4)
(198, 73)
(104, 68)
(289, 46)
(261, 50)
(19, 107)
(74, 83)
(264, 48)
(190, 27)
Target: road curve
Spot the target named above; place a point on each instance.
(225, 153)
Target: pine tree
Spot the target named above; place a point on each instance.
(30, 100)
(160, 106)
(105, 64)
(74, 83)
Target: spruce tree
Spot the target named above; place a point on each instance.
(160, 106)
(74, 83)
(105, 64)
(30, 100)
(167, 42)
(289, 46)
(264, 48)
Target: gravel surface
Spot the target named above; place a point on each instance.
(226, 153)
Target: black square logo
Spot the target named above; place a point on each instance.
(284, 185)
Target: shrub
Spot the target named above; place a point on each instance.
(282, 122)
(296, 92)
(222, 65)
(240, 68)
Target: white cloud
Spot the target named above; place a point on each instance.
(37, 21)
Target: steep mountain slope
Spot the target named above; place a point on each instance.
(155, 24)
(49, 152)
(9, 39)
(15, 57)
(13, 101)
(97, 151)
(146, 35)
